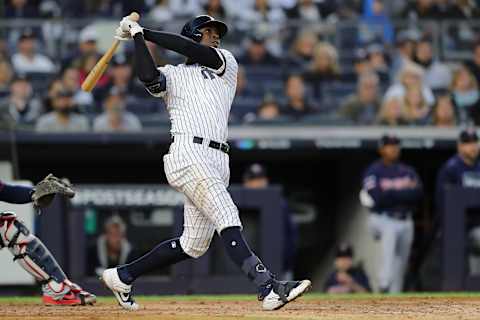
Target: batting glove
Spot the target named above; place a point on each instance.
(121, 35)
(130, 26)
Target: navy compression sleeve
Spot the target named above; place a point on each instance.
(154, 80)
(204, 55)
(15, 194)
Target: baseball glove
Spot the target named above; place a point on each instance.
(45, 190)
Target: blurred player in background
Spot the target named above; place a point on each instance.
(463, 169)
(198, 95)
(392, 191)
(29, 251)
(346, 278)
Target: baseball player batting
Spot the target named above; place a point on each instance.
(198, 95)
(30, 253)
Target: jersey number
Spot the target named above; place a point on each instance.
(208, 74)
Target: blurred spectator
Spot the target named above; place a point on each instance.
(257, 53)
(115, 118)
(27, 59)
(443, 114)
(324, 68)
(62, 118)
(297, 103)
(71, 82)
(474, 64)
(53, 89)
(20, 106)
(21, 9)
(361, 63)
(243, 90)
(267, 111)
(87, 45)
(390, 113)
(437, 74)
(378, 62)
(184, 8)
(392, 191)
(215, 9)
(112, 248)
(161, 13)
(462, 169)
(377, 21)
(466, 96)
(421, 10)
(85, 64)
(363, 106)
(469, 9)
(301, 52)
(447, 9)
(6, 74)
(404, 53)
(346, 278)
(256, 177)
(411, 76)
(415, 108)
(121, 79)
(310, 10)
(264, 17)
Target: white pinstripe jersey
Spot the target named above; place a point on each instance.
(199, 99)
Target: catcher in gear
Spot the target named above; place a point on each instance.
(30, 253)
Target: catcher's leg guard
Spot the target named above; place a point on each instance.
(32, 255)
(28, 250)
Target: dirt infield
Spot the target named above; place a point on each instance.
(433, 308)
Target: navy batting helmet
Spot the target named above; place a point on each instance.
(191, 29)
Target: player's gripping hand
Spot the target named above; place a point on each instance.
(45, 190)
(130, 26)
(122, 35)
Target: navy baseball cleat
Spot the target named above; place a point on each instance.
(121, 291)
(279, 293)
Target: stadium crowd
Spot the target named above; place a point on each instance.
(325, 62)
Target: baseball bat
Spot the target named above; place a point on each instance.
(97, 71)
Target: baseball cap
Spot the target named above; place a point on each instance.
(360, 55)
(20, 77)
(119, 60)
(255, 170)
(407, 35)
(65, 93)
(344, 250)
(467, 135)
(88, 34)
(27, 34)
(387, 139)
(375, 48)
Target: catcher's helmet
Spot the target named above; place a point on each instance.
(192, 27)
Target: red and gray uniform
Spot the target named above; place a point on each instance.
(395, 190)
(30, 253)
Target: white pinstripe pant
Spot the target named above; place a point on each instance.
(202, 174)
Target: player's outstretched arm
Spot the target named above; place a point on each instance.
(204, 55)
(15, 193)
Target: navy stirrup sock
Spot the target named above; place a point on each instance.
(245, 259)
(166, 253)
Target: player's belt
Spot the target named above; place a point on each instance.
(224, 147)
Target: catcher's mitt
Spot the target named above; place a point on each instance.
(45, 190)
